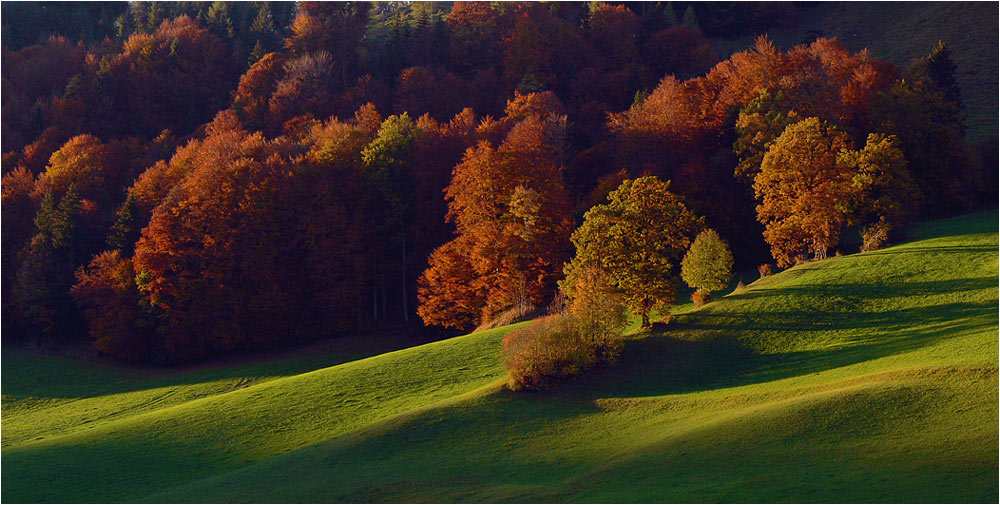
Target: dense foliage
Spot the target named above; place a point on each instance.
(184, 179)
(637, 238)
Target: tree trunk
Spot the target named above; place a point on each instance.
(406, 310)
(820, 253)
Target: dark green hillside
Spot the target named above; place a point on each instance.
(902, 31)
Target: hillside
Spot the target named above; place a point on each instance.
(870, 377)
(903, 31)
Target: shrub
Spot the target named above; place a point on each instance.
(545, 352)
(701, 297)
(740, 286)
(764, 270)
(875, 236)
(587, 334)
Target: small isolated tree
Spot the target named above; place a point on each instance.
(637, 238)
(708, 264)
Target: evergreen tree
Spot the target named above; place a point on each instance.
(219, 22)
(689, 17)
(670, 15)
(154, 17)
(46, 273)
(126, 230)
(257, 53)
(940, 72)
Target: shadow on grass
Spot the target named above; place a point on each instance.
(28, 373)
(933, 250)
(705, 350)
(866, 291)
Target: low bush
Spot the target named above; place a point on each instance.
(765, 270)
(875, 236)
(701, 297)
(587, 334)
(547, 351)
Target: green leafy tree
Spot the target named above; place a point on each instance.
(708, 264)
(885, 195)
(386, 159)
(759, 123)
(689, 17)
(637, 238)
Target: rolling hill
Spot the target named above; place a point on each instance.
(868, 377)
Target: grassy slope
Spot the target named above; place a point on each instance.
(870, 377)
(902, 31)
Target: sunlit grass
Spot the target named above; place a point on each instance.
(870, 377)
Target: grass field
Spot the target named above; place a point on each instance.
(869, 377)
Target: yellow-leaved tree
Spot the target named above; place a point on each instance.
(804, 193)
(637, 239)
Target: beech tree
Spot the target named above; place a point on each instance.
(803, 191)
(108, 297)
(387, 160)
(637, 239)
(511, 214)
(449, 296)
(212, 255)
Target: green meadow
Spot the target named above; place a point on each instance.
(863, 378)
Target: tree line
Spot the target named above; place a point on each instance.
(203, 178)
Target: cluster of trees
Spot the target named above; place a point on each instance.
(184, 179)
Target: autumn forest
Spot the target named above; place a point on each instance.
(184, 180)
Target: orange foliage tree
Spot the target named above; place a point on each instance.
(803, 191)
(511, 214)
(210, 255)
(109, 298)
